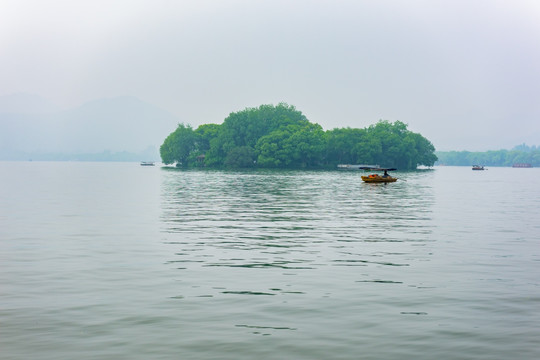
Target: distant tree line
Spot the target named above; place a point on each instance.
(519, 154)
(281, 137)
(149, 154)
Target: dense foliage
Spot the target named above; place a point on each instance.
(519, 154)
(281, 137)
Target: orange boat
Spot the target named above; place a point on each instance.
(376, 178)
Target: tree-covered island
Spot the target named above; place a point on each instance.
(282, 137)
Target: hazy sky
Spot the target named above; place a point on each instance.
(463, 73)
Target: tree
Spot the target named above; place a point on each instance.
(292, 146)
(240, 157)
(206, 133)
(178, 145)
(425, 151)
(395, 146)
(246, 127)
(308, 142)
(344, 146)
(273, 151)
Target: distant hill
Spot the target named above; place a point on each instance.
(26, 104)
(30, 125)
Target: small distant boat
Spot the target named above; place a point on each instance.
(147, 163)
(478, 167)
(522, 165)
(376, 178)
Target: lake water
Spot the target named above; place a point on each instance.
(119, 261)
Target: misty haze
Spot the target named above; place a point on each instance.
(255, 179)
(35, 127)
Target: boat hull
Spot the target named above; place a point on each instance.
(378, 179)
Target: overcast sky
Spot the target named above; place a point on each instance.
(463, 73)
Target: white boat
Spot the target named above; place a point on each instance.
(147, 163)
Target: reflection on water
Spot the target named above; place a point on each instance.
(278, 242)
(296, 223)
(290, 220)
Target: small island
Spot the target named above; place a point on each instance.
(282, 137)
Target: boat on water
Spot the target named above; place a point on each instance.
(522, 165)
(376, 178)
(147, 163)
(478, 167)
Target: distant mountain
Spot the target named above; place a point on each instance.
(121, 124)
(26, 104)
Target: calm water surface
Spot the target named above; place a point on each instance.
(119, 261)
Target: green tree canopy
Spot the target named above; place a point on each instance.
(298, 145)
(281, 137)
(178, 145)
(246, 127)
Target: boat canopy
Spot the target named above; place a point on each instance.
(377, 169)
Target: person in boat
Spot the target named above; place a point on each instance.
(385, 174)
